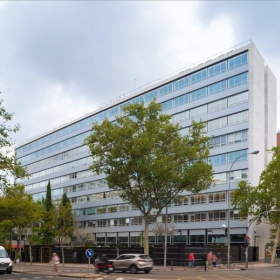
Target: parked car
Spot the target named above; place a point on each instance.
(133, 263)
(6, 265)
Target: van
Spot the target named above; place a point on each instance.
(6, 265)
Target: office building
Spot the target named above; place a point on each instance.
(234, 94)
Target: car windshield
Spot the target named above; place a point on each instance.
(3, 254)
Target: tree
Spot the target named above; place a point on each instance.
(65, 223)
(263, 201)
(147, 160)
(46, 231)
(18, 212)
(84, 234)
(10, 168)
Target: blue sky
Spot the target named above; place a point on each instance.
(60, 59)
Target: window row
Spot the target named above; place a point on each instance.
(227, 120)
(58, 180)
(211, 107)
(228, 139)
(205, 91)
(58, 157)
(76, 188)
(62, 167)
(213, 70)
(210, 216)
(55, 147)
(228, 158)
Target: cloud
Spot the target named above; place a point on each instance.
(61, 59)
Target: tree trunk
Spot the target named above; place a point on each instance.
(276, 240)
(30, 253)
(146, 236)
(62, 253)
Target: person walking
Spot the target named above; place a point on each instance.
(55, 261)
(214, 260)
(191, 260)
(209, 259)
(75, 257)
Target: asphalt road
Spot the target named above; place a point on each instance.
(264, 274)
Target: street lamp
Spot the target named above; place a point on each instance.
(228, 212)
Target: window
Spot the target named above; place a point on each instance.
(123, 207)
(198, 111)
(198, 217)
(238, 118)
(198, 199)
(218, 141)
(216, 216)
(178, 101)
(238, 61)
(217, 69)
(197, 94)
(100, 210)
(136, 221)
(124, 222)
(113, 111)
(180, 200)
(220, 178)
(239, 175)
(101, 223)
(238, 137)
(180, 218)
(218, 160)
(238, 80)
(198, 76)
(217, 197)
(217, 105)
(165, 89)
(167, 105)
(181, 83)
(181, 117)
(217, 123)
(234, 155)
(150, 95)
(112, 208)
(238, 98)
(217, 87)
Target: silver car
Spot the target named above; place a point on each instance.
(133, 263)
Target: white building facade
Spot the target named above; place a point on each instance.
(234, 94)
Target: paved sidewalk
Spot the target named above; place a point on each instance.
(82, 270)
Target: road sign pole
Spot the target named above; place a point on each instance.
(88, 265)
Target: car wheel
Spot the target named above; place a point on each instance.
(147, 271)
(9, 272)
(133, 269)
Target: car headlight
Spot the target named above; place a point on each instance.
(10, 264)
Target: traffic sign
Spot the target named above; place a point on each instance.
(89, 253)
(248, 238)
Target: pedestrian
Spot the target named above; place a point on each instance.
(209, 259)
(191, 260)
(55, 261)
(214, 260)
(75, 257)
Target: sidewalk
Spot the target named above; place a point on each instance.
(81, 270)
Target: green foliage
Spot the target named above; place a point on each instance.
(8, 164)
(18, 212)
(147, 160)
(262, 201)
(45, 234)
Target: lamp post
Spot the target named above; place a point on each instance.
(165, 239)
(228, 212)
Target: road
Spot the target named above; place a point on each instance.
(264, 274)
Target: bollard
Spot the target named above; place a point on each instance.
(171, 265)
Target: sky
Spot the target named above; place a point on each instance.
(62, 59)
